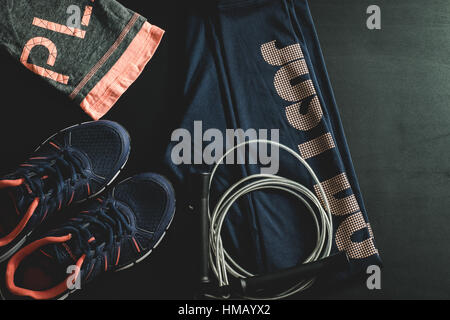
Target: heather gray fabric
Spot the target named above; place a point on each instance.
(73, 44)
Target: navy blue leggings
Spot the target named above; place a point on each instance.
(258, 64)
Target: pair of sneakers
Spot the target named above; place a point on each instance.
(115, 229)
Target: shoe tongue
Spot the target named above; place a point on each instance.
(62, 254)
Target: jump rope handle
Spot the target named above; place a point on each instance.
(257, 284)
(201, 184)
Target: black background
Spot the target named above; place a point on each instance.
(392, 88)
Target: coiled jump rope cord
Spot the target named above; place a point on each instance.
(222, 264)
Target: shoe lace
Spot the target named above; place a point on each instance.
(53, 170)
(105, 222)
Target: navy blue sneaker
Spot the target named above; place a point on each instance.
(72, 166)
(113, 233)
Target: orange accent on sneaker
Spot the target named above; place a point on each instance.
(28, 188)
(118, 256)
(46, 254)
(17, 258)
(71, 198)
(90, 271)
(136, 245)
(45, 215)
(11, 183)
(55, 145)
(72, 256)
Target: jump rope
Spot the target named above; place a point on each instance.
(230, 278)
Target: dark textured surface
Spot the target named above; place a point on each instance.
(392, 88)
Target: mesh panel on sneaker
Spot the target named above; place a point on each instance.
(147, 199)
(101, 144)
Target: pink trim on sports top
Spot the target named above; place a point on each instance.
(124, 72)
